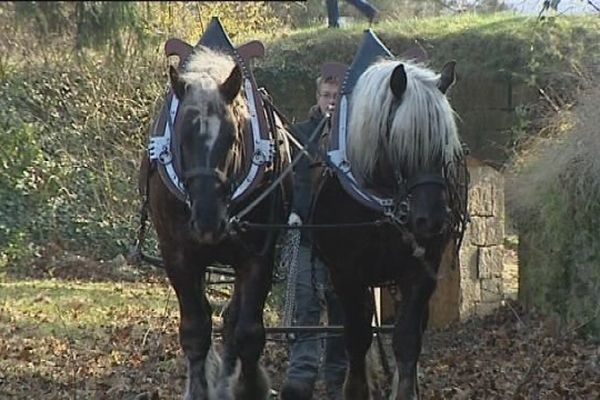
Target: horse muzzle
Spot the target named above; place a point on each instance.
(427, 228)
(208, 235)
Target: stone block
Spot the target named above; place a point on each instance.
(470, 285)
(486, 231)
(490, 262)
(470, 295)
(480, 200)
(491, 290)
(486, 195)
(498, 200)
(468, 256)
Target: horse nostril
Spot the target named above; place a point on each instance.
(421, 223)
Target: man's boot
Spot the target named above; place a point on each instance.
(296, 390)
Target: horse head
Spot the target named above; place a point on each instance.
(211, 117)
(403, 136)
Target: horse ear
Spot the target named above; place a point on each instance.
(177, 83)
(231, 87)
(447, 76)
(398, 81)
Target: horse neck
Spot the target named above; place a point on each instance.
(383, 179)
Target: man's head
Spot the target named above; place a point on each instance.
(327, 90)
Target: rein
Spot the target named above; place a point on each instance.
(245, 225)
(236, 219)
(235, 222)
(311, 146)
(397, 216)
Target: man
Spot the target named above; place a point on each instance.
(313, 287)
(333, 11)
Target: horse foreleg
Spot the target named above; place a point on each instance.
(245, 335)
(358, 336)
(195, 328)
(407, 339)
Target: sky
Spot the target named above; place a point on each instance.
(565, 6)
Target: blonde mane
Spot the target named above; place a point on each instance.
(414, 134)
(206, 68)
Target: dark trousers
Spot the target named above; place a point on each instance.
(333, 11)
(313, 293)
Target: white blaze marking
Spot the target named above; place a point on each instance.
(213, 126)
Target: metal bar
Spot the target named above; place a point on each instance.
(214, 283)
(220, 270)
(314, 329)
(244, 225)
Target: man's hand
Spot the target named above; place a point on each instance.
(294, 219)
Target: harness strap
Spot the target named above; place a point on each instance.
(234, 221)
(204, 171)
(425, 179)
(343, 175)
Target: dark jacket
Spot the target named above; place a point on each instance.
(306, 171)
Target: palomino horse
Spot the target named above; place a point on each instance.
(211, 130)
(402, 142)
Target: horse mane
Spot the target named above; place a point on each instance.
(414, 134)
(206, 69)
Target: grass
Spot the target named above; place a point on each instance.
(80, 309)
(77, 128)
(468, 36)
(75, 339)
(97, 337)
(485, 46)
(66, 338)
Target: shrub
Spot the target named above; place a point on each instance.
(553, 196)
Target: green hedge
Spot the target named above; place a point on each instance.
(553, 196)
(72, 137)
(496, 45)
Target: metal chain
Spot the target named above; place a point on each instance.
(289, 262)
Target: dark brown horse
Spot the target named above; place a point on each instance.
(211, 139)
(402, 143)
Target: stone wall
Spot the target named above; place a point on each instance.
(487, 109)
(474, 286)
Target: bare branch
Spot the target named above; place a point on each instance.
(593, 5)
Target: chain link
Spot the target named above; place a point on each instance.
(288, 266)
